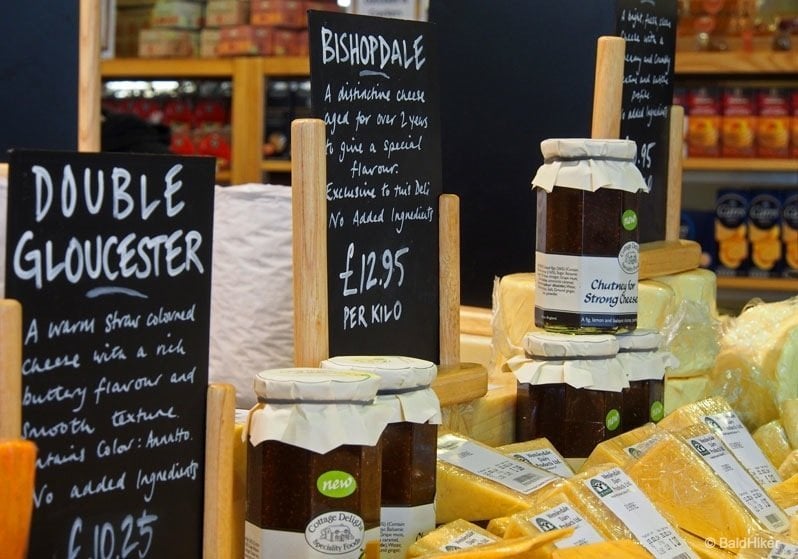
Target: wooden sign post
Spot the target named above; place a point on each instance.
(110, 258)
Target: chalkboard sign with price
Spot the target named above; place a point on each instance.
(110, 257)
(649, 28)
(374, 83)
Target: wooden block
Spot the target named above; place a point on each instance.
(460, 383)
(10, 369)
(662, 258)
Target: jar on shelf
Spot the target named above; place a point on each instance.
(569, 390)
(314, 464)
(645, 365)
(587, 254)
(408, 445)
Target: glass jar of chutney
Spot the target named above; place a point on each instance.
(586, 242)
(645, 365)
(408, 445)
(569, 390)
(314, 465)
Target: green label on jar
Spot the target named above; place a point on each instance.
(657, 411)
(336, 484)
(629, 220)
(613, 420)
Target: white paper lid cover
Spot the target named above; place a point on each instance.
(588, 164)
(551, 345)
(640, 340)
(305, 384)
(395, 371)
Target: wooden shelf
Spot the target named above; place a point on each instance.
(758, 284)
(277, 165)
(739, 164)
(138, 68)
(736, 62)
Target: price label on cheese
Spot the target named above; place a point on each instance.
(564, 516)
(492, 465)
(467, 539)
(714, 453)
(545, 459)
(637, 450)
(627, 502)
(783, 550)
(740, 442)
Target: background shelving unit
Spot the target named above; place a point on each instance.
(704, 176)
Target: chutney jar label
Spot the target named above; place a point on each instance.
(589, 291)
(338, 534)
(401, 526)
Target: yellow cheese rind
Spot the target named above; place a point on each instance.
(620, 549)
(689, 493)
(534, 547)
(434, 541)
(540, 443)
(686, 416)
(772, 440)
(616, 450)
(785, 493)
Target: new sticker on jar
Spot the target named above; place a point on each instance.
(314, 465)
(587, 252)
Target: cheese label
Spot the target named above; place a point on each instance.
(740, 442)
(467, 539)
(401, 526)
(627, 502)
(340, 534)
(726, 467)
(564, 516)
(637, 450)
(783, 550)
(492, 465)
(545, 459)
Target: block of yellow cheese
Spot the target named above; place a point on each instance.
(532, 547)
(619, 450)
(772, 440)
(689, 493)
(705, 549)
(785, 493)
(540, 453)
(757, 368)
(476, 482)
(458, 534)
(789, 420)
(697, 286)
(718, 414)
(789, 467)
(680, 391)
(620, 549)
(489, 419)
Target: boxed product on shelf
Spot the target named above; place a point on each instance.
(699, 226)
(291, 14)
(703, 133)
(209, 39)
(220, 13)
(738, 124)
(177, 14)
(130, 20)
(245, 40)
(789, 233)
(764, 233)
(731, 232)
(161, 42)
(773, 123)
(290, 42)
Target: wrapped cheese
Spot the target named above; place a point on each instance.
(789, 420)
(476, 482)
(680, 391)
(698, 286)
(705, 549)
(458, 534)
(534, 547)
(757, 368)
(764, 545)
(789, 467)
(718, 414)
(689, 493)
(540, 453)
(785, 494)
(627, 549)
(489, 419)
(622, 448)
(772, 441)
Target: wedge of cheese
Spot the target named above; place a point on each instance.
(622, 448)
(489, 419)
(789, 467)
(620, 549)
(785, 493)
(687, 415)
(689, 493)
(772, 440)
(680, 391)
(534, 547)
(476, 482)
(540, 453)
(758, 370)
(458, 534)
(498, 526)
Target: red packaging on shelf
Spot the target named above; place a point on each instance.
(738, 126)
(773, 123)
(703, 132)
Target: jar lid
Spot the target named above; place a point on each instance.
(553, 345)
(641, 339)
(588, 164)
(395, 371)
(306, 384)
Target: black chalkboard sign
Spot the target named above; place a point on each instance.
(649, 28)
(110, 256)
(374, 82)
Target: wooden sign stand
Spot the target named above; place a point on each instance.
(456, 382)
